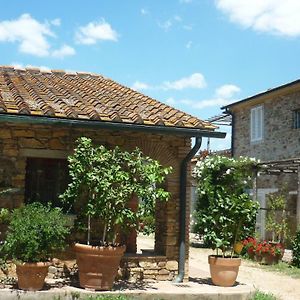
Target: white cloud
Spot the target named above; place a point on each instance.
(185, 1)
(166, 25)
(177, 18)
(63, 51)
(170, 101)
(144, 11)
(187, 27)
(56, 22)
(140, 86)
(188, 45)
(18, 65)
(272, 16)
(29, 33)
(94, 32)
(227, 91)
(195, 80)
(223, 95)
(211, 103)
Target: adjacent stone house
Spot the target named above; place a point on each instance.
(267, 126)
(43, 113)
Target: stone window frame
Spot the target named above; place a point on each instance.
(257, 123)
(296, 118)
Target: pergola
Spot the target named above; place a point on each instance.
(279, 167)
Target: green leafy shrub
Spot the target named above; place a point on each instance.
(277, 218)
(224, 212)
(4, 216)
(296, 250)
(103, 182)
(35, 232)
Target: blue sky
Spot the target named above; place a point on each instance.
(195, 55)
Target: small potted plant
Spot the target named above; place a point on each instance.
(35, 233)
(4, 221)
(103, 183)
(224, 214)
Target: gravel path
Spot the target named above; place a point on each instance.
(283, 286)
(250, 273)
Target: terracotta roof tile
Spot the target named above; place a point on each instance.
(82, 95)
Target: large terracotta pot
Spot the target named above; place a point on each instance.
(223, 271)
(98, 266)
(31, 276)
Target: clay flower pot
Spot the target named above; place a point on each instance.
(31, 276)
(97, 266)
(223, 271)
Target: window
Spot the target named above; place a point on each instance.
(257, 123)
(45, 180)
(297, 118)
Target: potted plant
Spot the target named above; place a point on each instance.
(224, 214)
(34, 233)
(4, 221)
(103, 183)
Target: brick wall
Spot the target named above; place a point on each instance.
(18, 142)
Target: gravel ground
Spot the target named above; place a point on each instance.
(283, 286)
(250, 273)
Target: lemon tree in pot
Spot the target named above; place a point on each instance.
(103, 182)
(224, 213)
(35, 233)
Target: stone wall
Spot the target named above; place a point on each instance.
(21, 141)
(280, 139)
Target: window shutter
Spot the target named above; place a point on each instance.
(257, 123)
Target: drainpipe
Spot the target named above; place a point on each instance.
(232, 130)
(182, 216)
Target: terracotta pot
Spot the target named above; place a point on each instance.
(223, 271)
(31, 276)
(98, 266)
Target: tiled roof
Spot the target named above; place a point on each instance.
(84, 96)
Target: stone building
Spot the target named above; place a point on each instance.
(43, 113)
(267, 126)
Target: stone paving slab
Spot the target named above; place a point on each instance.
(161, 290)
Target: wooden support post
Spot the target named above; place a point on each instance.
(254, 192)
(298, 199)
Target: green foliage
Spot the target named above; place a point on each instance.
(4, 216)
(263, 296)
(277, 218)
(34, 233)
(296, 250)
(224, 212)
(103, 182)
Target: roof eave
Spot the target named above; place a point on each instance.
(159, 129)
(268, 92)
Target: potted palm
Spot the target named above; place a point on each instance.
(103, 182)
(224, 214)
(35, 233)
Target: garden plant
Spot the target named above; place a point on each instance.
(225, 213)
(34, 234)
(103, 182)
(296, 250)
(277, 216)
